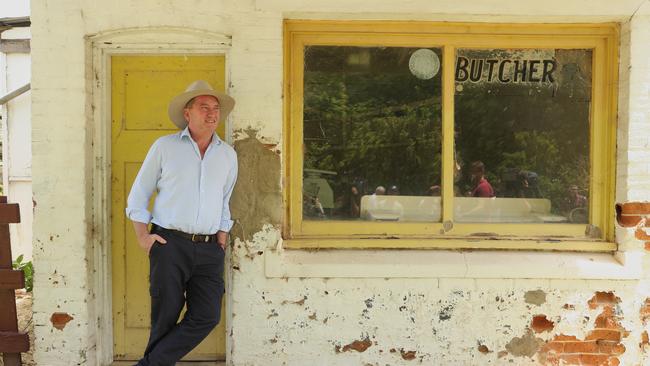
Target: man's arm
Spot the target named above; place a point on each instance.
(146, 240)
(138, 200)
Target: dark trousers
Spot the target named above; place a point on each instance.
(182, 272)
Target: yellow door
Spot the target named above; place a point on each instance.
(142, 87)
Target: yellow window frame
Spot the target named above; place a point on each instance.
(602, 39)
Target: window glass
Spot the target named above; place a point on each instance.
(522, 135)
(372, 133)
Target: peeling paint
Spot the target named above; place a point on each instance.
(358, 345)
(540, 324)
(484, 349)
(407, 355)
(60, 320)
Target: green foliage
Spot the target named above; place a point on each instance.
(28, 270)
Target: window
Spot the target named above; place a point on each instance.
(449, 135)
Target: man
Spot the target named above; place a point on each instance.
(193, 172)
(482, 187)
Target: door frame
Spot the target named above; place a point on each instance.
(99, 49)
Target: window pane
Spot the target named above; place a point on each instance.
(372, 133)
(522, 135)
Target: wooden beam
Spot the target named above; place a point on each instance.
(11, 279)
(15, 45)
(14, 342)
(9, 213)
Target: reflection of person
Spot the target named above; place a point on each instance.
(194, 173)
(434, 191)
(393, 191)
(528, 185)
(380, 191)
(575, 199)
(312, 206)
(482, 188)
(355, 201)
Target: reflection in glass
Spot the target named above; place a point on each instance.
(372, 133)
(522, 135)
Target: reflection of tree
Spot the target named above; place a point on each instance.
(380, 127)
(529, 127)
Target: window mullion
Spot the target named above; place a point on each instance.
(448, 54)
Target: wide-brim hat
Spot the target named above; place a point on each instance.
(197, 88)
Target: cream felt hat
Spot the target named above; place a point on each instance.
(199, 87)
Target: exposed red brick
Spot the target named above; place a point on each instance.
(407, 355)
(603, 298)
(59, 320)
(633, 208)
(359, 345)
(483, 349)
(595, 360)
(581, 347)
(562, 337)
(541, 324)
(557, 347)
(569, 359)
(613, 361)
(604, 334)
(610, 348)
(607, 319)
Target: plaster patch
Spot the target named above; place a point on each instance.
(525, 346)
(536, 297)
(257, 198)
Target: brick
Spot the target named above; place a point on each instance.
(613, 361)
(541, 324)
(562, 337)
(604, 334)
(557, 347)
(581, 347)
(603, 298)
(595, 360)
(610, 347)
(635, 208)
(570, 359)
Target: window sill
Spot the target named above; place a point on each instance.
(415, 263)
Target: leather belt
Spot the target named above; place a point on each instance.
(195, 238)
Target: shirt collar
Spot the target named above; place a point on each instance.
(215, 138)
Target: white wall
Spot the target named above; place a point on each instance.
(300, 318)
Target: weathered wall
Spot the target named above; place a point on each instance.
(349, 314)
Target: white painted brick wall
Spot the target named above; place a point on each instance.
(443, 320)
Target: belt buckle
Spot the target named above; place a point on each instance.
(207, 238)
(193, 236)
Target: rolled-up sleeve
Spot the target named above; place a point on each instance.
(144, 185)
(226, 220)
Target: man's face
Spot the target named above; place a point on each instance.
(203, 115)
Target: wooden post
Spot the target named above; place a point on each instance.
(12, 342)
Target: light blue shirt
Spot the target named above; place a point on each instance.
(193, 193)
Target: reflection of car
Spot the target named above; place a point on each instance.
(318, 188)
